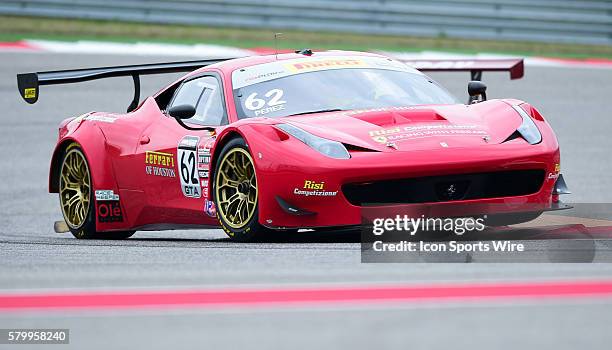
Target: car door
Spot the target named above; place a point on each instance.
(177, 159)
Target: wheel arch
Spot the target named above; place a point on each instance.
(92, 142)
(55, 164)
(259, 138)
(226, 136)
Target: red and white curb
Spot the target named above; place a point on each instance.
(132, 49)
(220, 51)
(355, 295)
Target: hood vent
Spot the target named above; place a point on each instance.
(390, 118)
(353, 148)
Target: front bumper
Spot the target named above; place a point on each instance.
(310, 187)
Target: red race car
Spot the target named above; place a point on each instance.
(291, 141)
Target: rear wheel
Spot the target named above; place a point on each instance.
(76, 197)
(236, 192)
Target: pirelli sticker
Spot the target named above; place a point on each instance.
(324, 64)
(279, 69)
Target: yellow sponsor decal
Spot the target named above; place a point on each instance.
(314, 188)
(380, 135)
(419, 131)
(312, 185)
(29, 93)
(314, 65)
(380, 139)
(557, 168)
(382, 132)
(159, 158)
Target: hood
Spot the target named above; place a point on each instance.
(417, 127)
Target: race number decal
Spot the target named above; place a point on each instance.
(260, 106)
(188, 166)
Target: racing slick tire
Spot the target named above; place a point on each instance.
(77, 197)
(236, 193)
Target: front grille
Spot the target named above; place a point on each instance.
(445, 188)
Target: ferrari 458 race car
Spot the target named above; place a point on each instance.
(290, 141)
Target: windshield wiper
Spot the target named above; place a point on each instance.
(319, 111)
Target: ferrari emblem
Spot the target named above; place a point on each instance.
(391, 145)
(451, 190)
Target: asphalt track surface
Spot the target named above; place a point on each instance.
(34, 259)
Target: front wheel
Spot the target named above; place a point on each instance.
(76, 197)
(236, 192)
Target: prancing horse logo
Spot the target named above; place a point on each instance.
(451, 190)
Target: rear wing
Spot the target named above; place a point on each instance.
(29, 83)
(475, 66)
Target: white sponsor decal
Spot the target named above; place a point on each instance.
(262, 106)
(307, 193)
(187, 156)
(159, 171)
(314, 188)
(278, 69)
(106, 195)
(420, 131)
(441, 64)
(101, 118)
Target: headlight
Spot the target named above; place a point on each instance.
(528, 129)
(327, 147)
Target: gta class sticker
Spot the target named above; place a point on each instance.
(187, 157)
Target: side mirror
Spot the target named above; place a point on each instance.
(182, 111)
(475, 89)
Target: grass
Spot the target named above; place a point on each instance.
(16, 28)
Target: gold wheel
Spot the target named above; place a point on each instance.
(236, 188)
(75, 188)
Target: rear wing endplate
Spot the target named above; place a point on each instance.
(475, 66)
(29, 83)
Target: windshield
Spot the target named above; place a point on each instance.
(338, 89)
